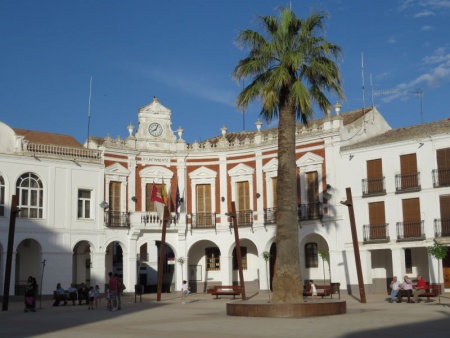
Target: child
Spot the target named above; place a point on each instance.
(97, 297)
(91, 298)
(184, 292)
(313, 289)
(108, 298)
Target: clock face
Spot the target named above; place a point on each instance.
(155, 129)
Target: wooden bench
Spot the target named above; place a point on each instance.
(322, 291)
(432, 290)
(225, 290)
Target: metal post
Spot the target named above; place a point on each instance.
(162, 252)
(12, 228)
(40, 287)
(238, 248)
(349, 204)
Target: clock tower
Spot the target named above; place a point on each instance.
(154, 127)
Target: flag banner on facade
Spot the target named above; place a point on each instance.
(158, 200)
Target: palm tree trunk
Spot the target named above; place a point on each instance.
(287, 282)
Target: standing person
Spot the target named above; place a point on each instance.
(120, 288)
(419, 289)
(395, 288)
(108, 301)
(113, 285)
(407, 288)
(97, 297)
(91, 298)
(30, 294)
(184, 292)
(313, 289)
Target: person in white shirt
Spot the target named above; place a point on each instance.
(407, 287)
(395, 288)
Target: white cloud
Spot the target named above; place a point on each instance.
(435, 76)
(423, 14)
(392, 40)
(426, 28)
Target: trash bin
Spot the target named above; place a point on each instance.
(335, 288)
(138, 290)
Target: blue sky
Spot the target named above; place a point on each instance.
(184, 53)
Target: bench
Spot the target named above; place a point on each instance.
(432, 290)
(322, 291)
(225, 290)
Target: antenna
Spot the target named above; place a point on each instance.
(243, 111)
(89, 111)
(417, 92)
(362, 75)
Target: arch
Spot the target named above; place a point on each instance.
(28, 262)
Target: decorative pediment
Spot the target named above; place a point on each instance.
(271, 165)
(202, 172)
(155, 108)
(156, 173)
(241, 169)
(117, 169)
(309, 159)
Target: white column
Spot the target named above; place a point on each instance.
(435, 270)
(152, 263)
(132, 185)
(398, 262)
(130, 264)
(226, 269)
(223, 188)
(259, 188)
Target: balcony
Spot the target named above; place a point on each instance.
(117, 219)
(410, 231)
(244, 218)
(441, 178)
(441, 227)
(407, 183)
(203, 221)
(270, 216)
(310, 211)
(373, 187)
(374, 233)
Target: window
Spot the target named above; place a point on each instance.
(30, 196)
(243, 258)
(114, 196)
(204, 217)
(84, 203)
(212, 256)
(311, 256)
(409, 175)
(312, 187)
(374, 176)
(444, 203)
(443, 163)
(243, 194)
(377, 220)
(411, 218)
(2, 196)
(149, 205)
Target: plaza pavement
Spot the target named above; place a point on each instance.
(203, 316)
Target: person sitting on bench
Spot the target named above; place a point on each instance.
(60, 295)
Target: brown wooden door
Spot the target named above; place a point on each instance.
(408, 167)
(377, 219)
(444, 203)
(374, 176)
(204, 217)
(443, 162)
(243, 203)
(312, 191)
(411, 218)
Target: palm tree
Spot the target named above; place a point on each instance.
(289, 66)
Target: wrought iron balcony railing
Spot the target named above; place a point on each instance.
(410, 231)
(310, 211)
(270, 216)
(117, 219)
(376, 233)
(203, 220)
(441, 227)
(441, 177)
(244, 218)
(407, 182)
(373, 187)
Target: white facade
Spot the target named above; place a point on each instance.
(124, 234)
